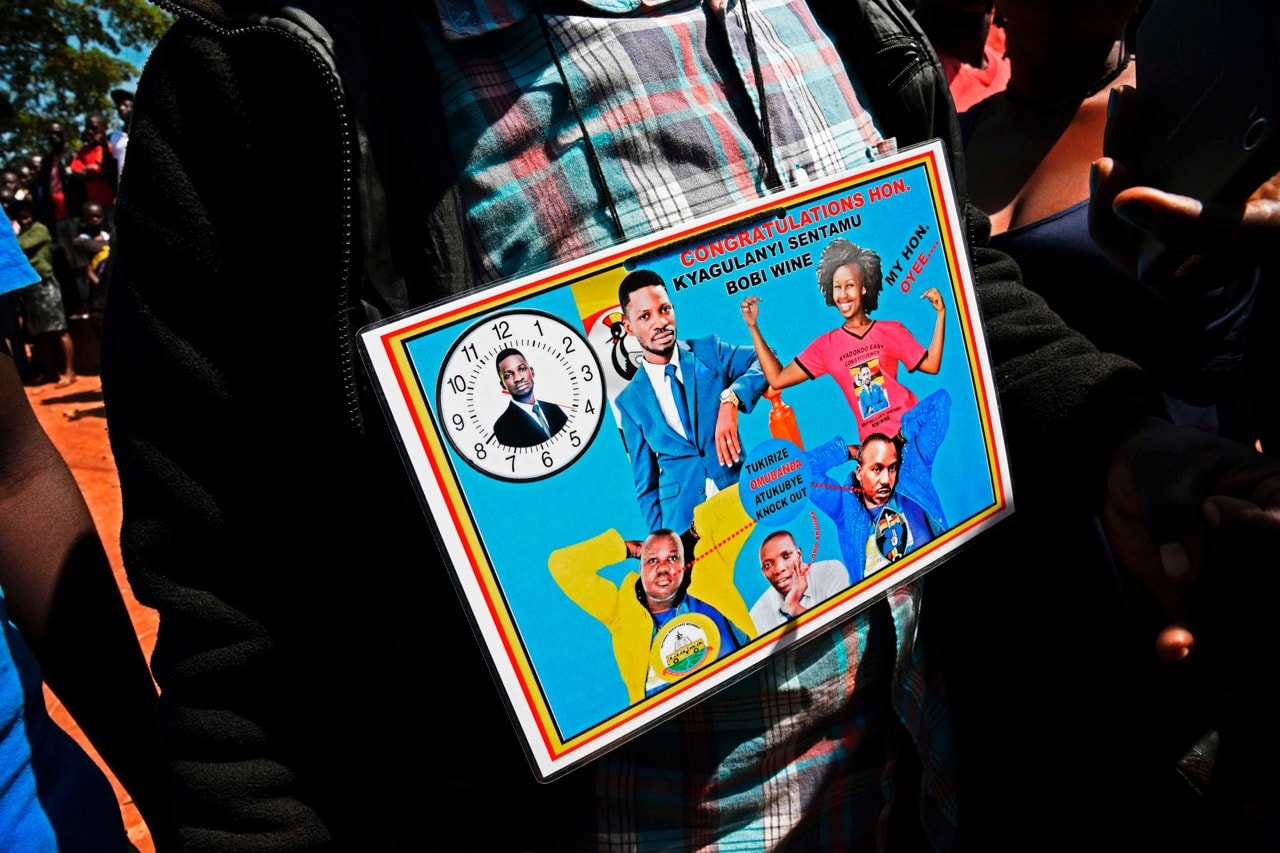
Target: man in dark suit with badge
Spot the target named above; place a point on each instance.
(526, 422)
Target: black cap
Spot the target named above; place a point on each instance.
(119, 96)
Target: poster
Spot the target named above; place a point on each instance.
(629, 540)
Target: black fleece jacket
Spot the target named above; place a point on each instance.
(320, 686)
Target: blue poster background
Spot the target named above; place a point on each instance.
(522, 523)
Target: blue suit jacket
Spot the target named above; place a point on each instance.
(853, 521)
(671, 471)
(516, 428)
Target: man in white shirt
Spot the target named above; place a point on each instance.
(794, 585)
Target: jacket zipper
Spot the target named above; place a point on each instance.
(910, 27)
(346, 336)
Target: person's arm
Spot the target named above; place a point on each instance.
(1212, 496)
(1122, 212)
(63, 596)
(741, 368)
(1165, 491)
(778, 376)
(831, 454)
(576, 570)
(1196, 520)
(728, 442)
(1054, 385)
(932, 362)
(824, 491)
(719, 520)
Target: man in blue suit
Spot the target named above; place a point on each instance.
(680, 412)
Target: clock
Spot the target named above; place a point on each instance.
(544, 359)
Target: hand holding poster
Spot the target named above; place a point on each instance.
(653, 468)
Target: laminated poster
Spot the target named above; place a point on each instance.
(628, 540)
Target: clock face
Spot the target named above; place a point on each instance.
(521, 395)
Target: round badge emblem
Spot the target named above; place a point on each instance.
(686, 644)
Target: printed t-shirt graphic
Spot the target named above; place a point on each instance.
(842, 354)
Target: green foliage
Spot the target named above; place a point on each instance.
(59, 59)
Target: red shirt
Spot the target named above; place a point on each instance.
(970, 84)
(97, 180)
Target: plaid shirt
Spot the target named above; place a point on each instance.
(800, 754)
(804, 751)
(672, 113)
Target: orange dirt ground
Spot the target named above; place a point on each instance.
(74, 418)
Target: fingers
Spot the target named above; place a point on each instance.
(1244, 524)
(1174, 643)
(728, 448)
(1196, 519)
(1192, 226)
(1121, 140)
(1244, 542)
(1153, 508)
(1243, 230)
(1168, 473)
(1109, 176)
(1122, 213)
(1232, 604)
(1117, 238)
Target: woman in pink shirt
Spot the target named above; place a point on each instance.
(863, 356)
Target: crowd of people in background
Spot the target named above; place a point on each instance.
(61, 203)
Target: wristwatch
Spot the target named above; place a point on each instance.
(727, 396)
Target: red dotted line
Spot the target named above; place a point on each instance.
(732, 536)
(817, 536)
(834, 487)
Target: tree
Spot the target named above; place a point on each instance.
(59, 59)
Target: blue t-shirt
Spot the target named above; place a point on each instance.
(52, 796)
(730, 637)
(15, 271)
